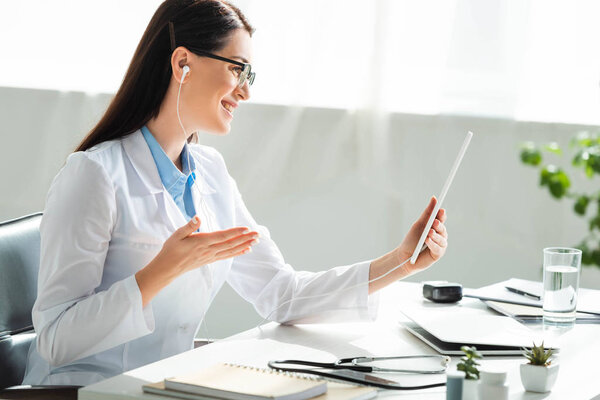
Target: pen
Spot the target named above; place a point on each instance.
(523, 293)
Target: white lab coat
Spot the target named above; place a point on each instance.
(107, 215)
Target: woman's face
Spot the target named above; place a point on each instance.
(210, 94)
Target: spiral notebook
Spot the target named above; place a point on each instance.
(236, 382)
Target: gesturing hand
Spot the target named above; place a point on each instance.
(187, 249)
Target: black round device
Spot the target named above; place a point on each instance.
(442, 292)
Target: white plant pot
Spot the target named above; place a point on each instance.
(470, 389)
(538, 378)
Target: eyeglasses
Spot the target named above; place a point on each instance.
(244, 73)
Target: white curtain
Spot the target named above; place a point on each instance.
(522, 59)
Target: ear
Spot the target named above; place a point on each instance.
(179, 58)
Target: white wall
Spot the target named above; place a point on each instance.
(310, 176)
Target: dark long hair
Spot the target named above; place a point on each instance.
(200, 24)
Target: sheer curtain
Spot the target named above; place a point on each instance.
(521, 59)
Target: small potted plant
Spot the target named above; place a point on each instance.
(539, 374)
(468, 365)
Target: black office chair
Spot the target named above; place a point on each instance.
(19, 264)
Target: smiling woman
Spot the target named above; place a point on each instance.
(162, 52)
(225, 79)
(142, 226)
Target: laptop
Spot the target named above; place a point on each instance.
(453, 349)
(447, 327)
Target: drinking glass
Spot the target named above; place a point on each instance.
(562, 266)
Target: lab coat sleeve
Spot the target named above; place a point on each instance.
(279, 293)
(72, 319)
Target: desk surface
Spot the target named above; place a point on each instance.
(577, 379)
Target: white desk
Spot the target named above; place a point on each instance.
(578, 378)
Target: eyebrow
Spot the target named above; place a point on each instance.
(241, 58)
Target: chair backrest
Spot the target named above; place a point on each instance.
(19, 264)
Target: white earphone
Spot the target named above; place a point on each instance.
(207, 212)
(186, 70)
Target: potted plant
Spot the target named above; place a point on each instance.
(468, 365)
(586, 157)
(539, 374)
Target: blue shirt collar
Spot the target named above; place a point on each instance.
(168, 172)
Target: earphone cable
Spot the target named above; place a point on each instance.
(204, 207)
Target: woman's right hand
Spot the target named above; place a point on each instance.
(186, 250)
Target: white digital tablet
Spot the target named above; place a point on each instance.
(440, 199)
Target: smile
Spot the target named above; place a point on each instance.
(228, 107)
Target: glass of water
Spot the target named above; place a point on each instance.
(562, 266)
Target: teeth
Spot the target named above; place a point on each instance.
(228, 107)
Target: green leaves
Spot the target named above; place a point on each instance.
(581, 204)
(595, 223)
(587, 156)
(595, 256)
(585, 139)
(590, 255)
(468, 363)
(589, 160)
(470, 370)
(530, 154)
(554, 178)
(557, 181)
(553, 147)
(586, 148)
(586, 253)
(537, 355)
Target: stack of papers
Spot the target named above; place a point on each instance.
(530, 313)
(588, 300)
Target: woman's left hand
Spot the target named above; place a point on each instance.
(437, 240)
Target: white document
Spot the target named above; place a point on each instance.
(588, 299)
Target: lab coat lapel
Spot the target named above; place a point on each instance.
(141, 159)
(149, 182)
